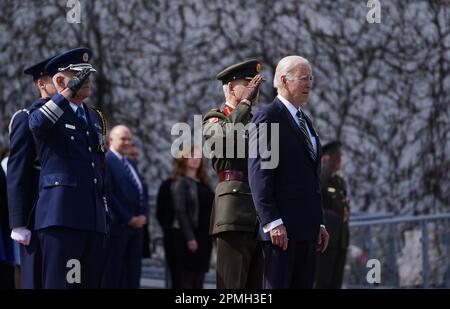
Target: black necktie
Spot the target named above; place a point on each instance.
(309, 146)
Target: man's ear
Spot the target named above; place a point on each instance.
(40, 83)
(230, 87)
(60, 81)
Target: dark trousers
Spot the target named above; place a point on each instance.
(6, 275)
(174, 260)
(239, 261)
(192, 279)
(124, 258)
(31, 264)
(330, 268)
(290, 269)
(62, 249)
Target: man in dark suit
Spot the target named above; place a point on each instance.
(134, 156)
(127, 198)
(70, 211)
(330, 265)
(287, 196)
(23, 181)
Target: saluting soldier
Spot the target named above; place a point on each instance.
(233, 219)
(23, 181)
(70, 211)
(330, 264)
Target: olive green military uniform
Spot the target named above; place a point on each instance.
(233, 218)
(330, 264)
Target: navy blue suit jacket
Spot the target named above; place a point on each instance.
(122, 194)
(23, 170)
(291, 191)
(70, 184)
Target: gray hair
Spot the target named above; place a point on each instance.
(225, 90)
(285, 67)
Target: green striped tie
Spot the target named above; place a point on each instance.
(304, 130)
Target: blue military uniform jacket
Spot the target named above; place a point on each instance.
(122, 194)
(23, 170)
(70, 185)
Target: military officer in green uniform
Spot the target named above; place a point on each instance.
(330, 264)
(233, 218)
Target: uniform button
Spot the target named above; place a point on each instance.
(90, 149)
(95, 180)
(87, 133)
(56, 183)
(93, 165)
(234, 190)
(72, 138)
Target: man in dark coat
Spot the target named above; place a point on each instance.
(287, 195)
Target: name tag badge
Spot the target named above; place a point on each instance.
(69, 126)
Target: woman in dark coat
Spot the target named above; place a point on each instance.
(192, 198)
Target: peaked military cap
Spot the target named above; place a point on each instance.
(74, 60)
(242, 70)
(37, 70)
(331, 147)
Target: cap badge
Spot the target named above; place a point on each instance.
(258, 67)
(85, 57)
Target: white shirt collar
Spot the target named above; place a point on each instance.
(293, 111)
(74, 106)
(228, 104)
(291, 108)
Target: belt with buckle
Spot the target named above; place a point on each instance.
(232, 175)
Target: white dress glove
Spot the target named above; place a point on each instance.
(22, 235)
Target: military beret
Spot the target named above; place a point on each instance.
(74, 60)
(37, 70)
(331, 147)
(242, 70)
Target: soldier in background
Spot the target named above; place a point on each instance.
(330, 264)
(233, 218)
(6, 246)
(23, 180)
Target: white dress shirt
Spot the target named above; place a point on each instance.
(133, 171)
(75, 107)
(293, 111)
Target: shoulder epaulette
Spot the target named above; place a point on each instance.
(214, 115)
(14, 116)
